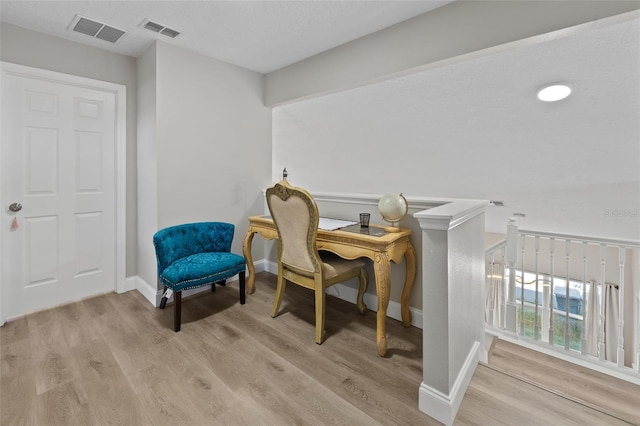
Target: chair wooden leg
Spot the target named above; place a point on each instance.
(242, 286)
(221, 282)
(279, 293)
(163, 301)
(364, 282)
(177, 306)
(320, 298)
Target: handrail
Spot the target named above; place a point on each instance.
(495, 246)
(581, 238)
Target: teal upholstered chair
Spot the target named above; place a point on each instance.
(193, 255)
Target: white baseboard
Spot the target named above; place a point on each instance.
(350, 294)
(445, 407)
(151, 293)
(130, 283)
(269, 266)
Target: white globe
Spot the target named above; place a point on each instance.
(393, 207)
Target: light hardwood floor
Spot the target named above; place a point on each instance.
(115, 359)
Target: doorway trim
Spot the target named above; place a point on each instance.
(120, 93)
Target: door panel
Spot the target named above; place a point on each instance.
(41, 151)
(89, 229)
(41, 250)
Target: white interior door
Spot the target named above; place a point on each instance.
(58, 163)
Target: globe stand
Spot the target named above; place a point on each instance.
(392, 228)
(393, 208)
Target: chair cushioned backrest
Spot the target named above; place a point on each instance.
(295, 214)
(177, 242)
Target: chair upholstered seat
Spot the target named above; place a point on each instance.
(196, 270)
(193, 255)
(333, 265)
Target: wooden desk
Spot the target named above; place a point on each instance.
(390, 247)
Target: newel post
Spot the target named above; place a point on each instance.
(453, 302)
(512, 257)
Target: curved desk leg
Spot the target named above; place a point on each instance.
(246, 251)
(382, 268)
(410, 259)
(364, 283)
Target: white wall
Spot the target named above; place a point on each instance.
(212, 145)
(38, 50)
(475, 130)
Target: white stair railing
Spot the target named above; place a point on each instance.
(567, 293)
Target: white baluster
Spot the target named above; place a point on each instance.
(536, 333)
(545, 310)
(488, 305)
(637, 325)
(522, 243)
(601, 336)
(503, 289)
(512, 257)
(621, 260)
(552, 247)
(491, 307)
(585, 246)
(567, 300)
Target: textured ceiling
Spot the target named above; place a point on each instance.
(259, 35)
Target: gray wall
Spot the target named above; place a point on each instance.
(147, 178)
(210, 150)
(33, 49)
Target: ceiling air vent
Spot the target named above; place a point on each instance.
(95, 29)
(157, 28)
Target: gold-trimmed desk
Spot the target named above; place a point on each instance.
(382, 250)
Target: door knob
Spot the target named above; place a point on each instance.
(15, 207)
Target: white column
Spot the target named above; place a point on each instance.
(453, 304)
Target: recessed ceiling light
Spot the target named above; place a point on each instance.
(555, 92)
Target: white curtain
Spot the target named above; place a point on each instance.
(611, 316)
(592, 320)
